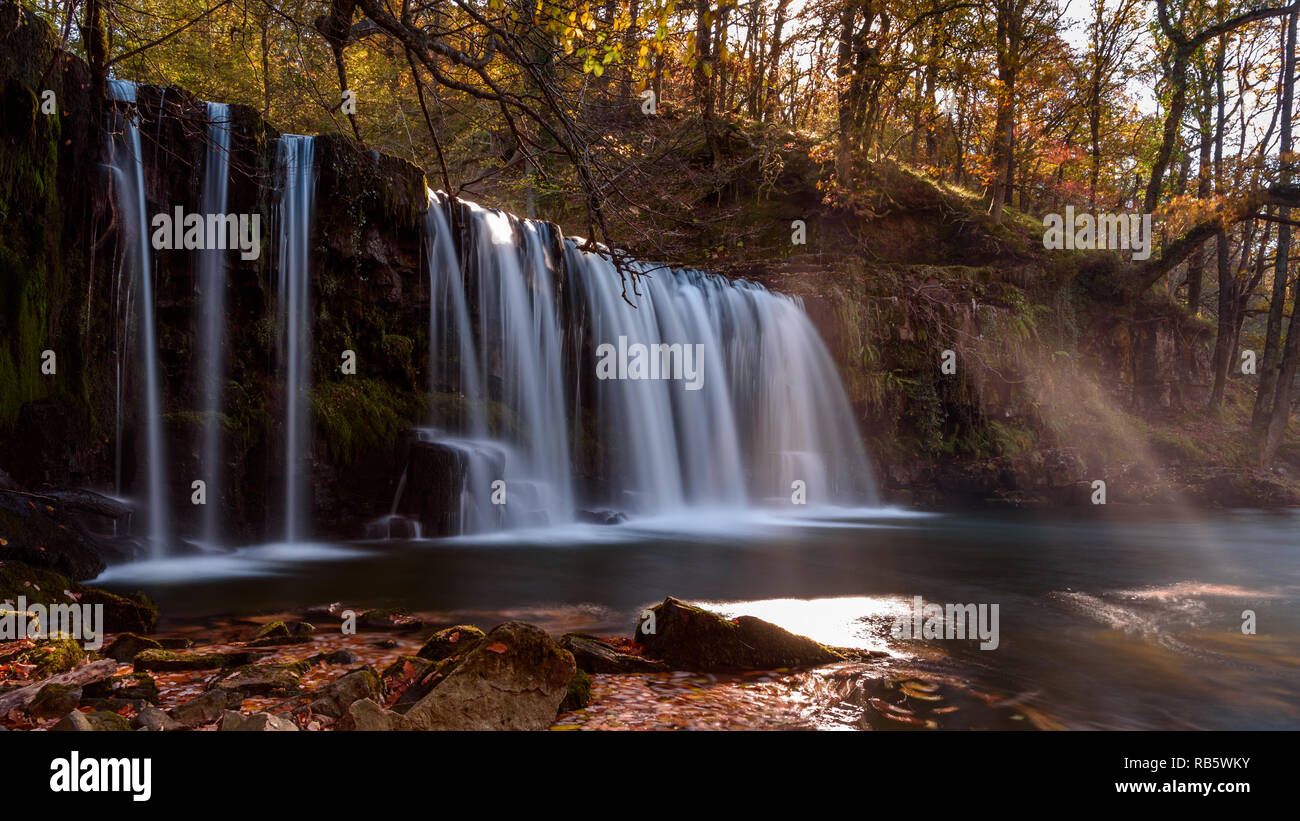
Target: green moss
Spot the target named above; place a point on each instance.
(578, 693)
(53, 657)
(357, 415)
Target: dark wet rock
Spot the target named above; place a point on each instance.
(232, 721)
(436, 473)
(174, 642)
(282, 679)
(450, 642)
(41, 535)
(691, 638)
(602, 517)
(128, 645)
(91, 722)
(335, 657)
(333, 699)
(153, 719)
(578, 694)
(171, 661)
(385, 644)
(513, 679)
(595, 656)
(406, 669)
(388, 618)
(367, 716)
(278, 633)
(130, 686)
(205, 708)
(55, 700)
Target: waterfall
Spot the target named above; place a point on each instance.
(518, 316)
(296, 174)
(137, 268)
(212, 307)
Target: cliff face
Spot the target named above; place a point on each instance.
(61, 248)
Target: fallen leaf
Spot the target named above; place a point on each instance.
(496, 647)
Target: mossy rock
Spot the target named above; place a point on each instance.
(283, 679)
(277, 633)
(54, 700)
(692, 638)
(411, 668)
(334, 698)
(513, 679)
(578, 694)
(450, 642)
(171, 661)
(101, 721)
(52, 657)
(127, 686)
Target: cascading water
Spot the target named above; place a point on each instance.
(768, 411)
(137, 268)
(211, 303)
(295, 158)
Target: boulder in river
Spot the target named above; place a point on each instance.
(692, 638)
(333, 699)
(514, 679)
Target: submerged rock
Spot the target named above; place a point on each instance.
(450, 642)
(692, 638)
(513, 679)
(595, 656)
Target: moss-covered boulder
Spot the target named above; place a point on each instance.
(127, 646)
(692, 638)
(55, 700)
(122, 614)
(450, 642)
(171, 661)
(49, 658)
(513, 679)
(278, 633)
(595, 656)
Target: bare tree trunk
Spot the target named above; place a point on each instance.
(1268, 370)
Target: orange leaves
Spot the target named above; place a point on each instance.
(496, 647)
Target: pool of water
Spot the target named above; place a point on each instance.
(1103, 622)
